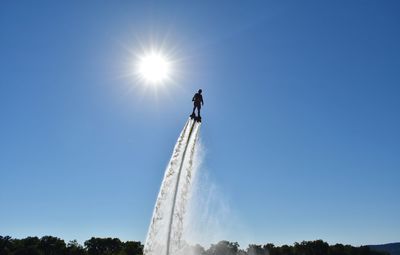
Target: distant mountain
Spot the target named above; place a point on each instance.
(392, 248)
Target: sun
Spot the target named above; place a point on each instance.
(154, 68)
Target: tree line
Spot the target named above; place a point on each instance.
(49, 245)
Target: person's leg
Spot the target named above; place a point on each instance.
(198, 111)
(194, 108)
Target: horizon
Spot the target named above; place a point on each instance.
(208, 245)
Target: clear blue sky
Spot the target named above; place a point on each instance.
(301, 117)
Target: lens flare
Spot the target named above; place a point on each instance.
(154, 68)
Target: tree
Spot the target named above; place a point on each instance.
(74, 248)
(255, 249)
(286, 250)
(50, 245)
(103, 246)
(132, 248)
(27, 246)
(6, 245)
(269, 248)
(223, 248)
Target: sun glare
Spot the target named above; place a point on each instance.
(154, 68)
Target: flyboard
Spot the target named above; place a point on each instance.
(196, 118)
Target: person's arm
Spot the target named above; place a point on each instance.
(193, 98)
(202, 102)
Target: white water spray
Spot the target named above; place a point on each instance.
(166, 227)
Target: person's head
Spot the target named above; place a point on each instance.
(200, 91)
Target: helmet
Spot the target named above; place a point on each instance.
(200, 91)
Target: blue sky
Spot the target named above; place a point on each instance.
(301, 117)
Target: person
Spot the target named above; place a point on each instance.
(197, 102)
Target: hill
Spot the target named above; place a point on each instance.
(392, 248)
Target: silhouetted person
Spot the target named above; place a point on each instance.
(197, 102)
